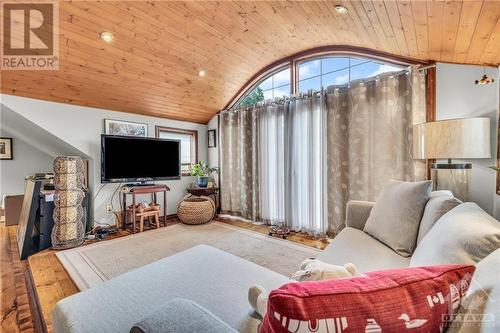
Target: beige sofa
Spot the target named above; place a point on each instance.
(219, 281)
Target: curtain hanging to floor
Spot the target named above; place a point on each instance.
(305, 165)
(369, 138)
(299, 161)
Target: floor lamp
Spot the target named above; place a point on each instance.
(467, 138)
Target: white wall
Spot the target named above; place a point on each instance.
(81, 127)
(27, 161)
(458, 97)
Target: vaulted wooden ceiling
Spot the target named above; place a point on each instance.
(152, 65)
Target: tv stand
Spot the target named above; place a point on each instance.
(133, 190)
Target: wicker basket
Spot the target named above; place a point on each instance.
(196, 210)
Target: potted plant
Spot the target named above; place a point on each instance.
(202, 172)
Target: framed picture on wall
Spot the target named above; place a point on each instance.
(125, 128)
(212, 139)
(6, 152)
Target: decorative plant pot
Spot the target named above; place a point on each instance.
(203, 181)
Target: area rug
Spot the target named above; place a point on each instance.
(90, 265)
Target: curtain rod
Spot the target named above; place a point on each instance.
(303, 95)
(423, 68)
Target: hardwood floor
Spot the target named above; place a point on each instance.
(25, 311)
(17, 314)
(301, 238)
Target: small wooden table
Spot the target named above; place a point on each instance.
(149, 189)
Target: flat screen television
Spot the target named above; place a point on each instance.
(139, 160)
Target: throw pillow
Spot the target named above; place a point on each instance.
(419, 299)
(464, 235)
(437, 206)
(480, 309)
(395, 218)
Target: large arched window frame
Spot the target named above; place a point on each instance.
(295, 60)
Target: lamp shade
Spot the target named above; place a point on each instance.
(466, 138)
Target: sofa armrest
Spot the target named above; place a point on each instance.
(357, 213)
(181, 316)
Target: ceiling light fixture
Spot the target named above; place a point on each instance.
(341, 9)
(107, 36)
(485, 79)
(202, 73)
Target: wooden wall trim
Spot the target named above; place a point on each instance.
(498, 146)
(192, 132)
(430, 87)
(321, 51)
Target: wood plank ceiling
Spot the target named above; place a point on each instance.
(152, 65)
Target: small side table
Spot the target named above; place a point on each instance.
(134, 190)
(211, 192)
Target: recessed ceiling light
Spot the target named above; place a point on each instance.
(341, 9)
(107, 36)
(202, 73)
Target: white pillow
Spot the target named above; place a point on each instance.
(437, 206)
(479, 311)
(395, 218)
(464, 235)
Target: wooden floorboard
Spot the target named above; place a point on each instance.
(44, 274)
(296, 237)
(17, 314)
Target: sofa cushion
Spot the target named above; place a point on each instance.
(395, 218)
(212, 278)
(480, 310)
(464, 235)
(409, 299)
(364, 251)
(181, 316)
(357, 213)
(438, 205)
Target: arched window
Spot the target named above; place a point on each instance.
(326, 71)
(309, 71)
(275, 84)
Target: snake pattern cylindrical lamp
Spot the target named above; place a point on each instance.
(69, 227)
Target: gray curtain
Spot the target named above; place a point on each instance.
(240, 164)
(299, 161)
(369, 135)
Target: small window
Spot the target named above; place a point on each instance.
(189, 145)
